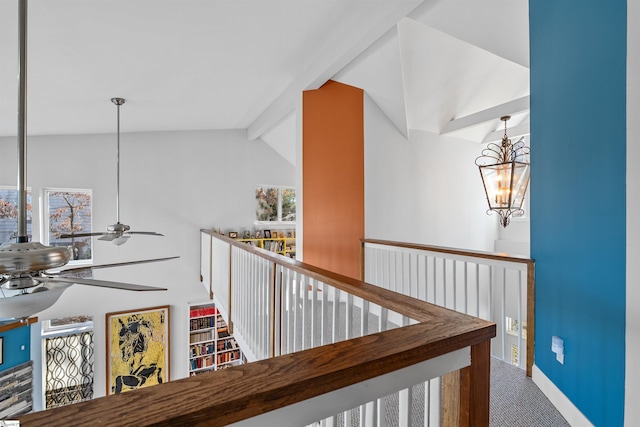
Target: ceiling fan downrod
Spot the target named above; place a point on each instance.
(118, 102)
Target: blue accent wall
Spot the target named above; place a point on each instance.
(12, 343)
(578, 201)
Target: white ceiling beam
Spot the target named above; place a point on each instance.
(512, 133)
(508, 108)
(326, 64)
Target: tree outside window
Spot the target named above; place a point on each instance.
(275, 204)
(69, 211)
(9, 214)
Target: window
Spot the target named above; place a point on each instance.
(68, 211)
(275, 204)
(68, 344)
(9, 214)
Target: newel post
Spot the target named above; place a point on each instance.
(474, 387)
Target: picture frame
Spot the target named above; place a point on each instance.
(289, 235)
(247, 234)
(258, 234)
(233, 234)
(267, 234)
(137, 348)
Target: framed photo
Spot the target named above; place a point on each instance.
(289, 234)
(267, 234)
(247, 234)
(233, 234)
(258, 234)
(137, 349)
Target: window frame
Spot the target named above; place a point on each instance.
(45, 222)
(47, 331)
(29, 194)
(279, 221)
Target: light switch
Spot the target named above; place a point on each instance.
(557, 346)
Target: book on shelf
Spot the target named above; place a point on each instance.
(203, 311)
(202, 323)
(200, 336)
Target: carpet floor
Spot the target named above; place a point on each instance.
(516, 401)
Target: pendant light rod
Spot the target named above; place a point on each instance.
(22, 236)
(118, 102)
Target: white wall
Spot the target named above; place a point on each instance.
(410, 194)
(174, 183)
(632, 380)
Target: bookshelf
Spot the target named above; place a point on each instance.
(211, 347)
(283, 245)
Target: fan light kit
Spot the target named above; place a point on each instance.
(26, 286)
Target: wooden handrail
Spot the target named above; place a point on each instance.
(231, 395)
(18, 324)
(235, 394)
(529, 262)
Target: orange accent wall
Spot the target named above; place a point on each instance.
(333, 177)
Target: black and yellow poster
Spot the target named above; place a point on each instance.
(137, 349)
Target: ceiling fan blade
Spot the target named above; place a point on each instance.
(148, 233)
(115, 264)
(103, 283)
(71, 236)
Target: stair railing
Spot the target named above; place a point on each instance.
(493, 286)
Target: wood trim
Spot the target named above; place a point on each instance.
(362, 260)
(272, 310)
(531, 318)
(230, 308)
(451, 395)
(211, 269)
(18, 324)
(477, 396)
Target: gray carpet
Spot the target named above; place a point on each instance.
(516, 401)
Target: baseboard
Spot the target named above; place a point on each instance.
(559, 400)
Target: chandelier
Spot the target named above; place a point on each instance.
(505, 176)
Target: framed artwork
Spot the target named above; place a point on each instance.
(267, 234)
(247, 234)
(289, 234)
(233, 234)
(137, 349)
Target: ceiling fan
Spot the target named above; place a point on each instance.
(27, 285)
(117, 233)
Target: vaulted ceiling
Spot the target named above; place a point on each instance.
(219, 64)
